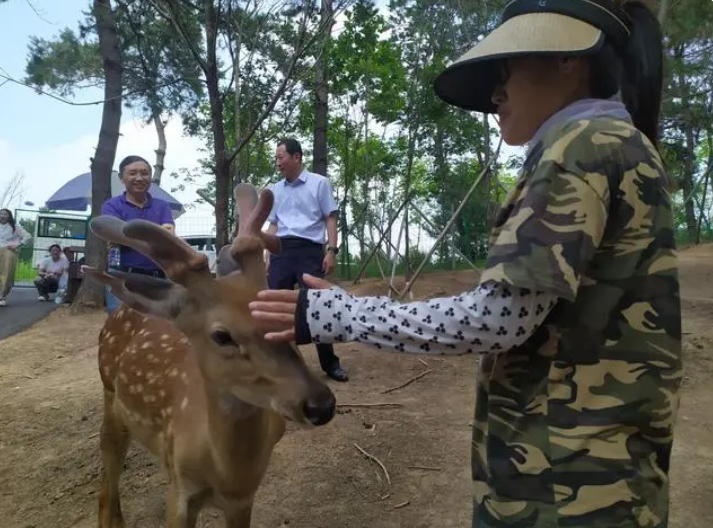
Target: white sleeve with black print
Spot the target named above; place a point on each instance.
(494, 317)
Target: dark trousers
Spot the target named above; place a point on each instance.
(46, 285)
(300, 256)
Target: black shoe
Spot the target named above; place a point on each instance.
(337, 373)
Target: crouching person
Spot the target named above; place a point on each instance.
(52, 273)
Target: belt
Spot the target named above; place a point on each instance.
(143, 271)
(294, 241)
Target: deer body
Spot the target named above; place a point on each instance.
(187, 374)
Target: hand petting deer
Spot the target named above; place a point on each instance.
(187, 373)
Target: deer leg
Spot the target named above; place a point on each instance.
(181, 510)
(114, 442)
(239, 517)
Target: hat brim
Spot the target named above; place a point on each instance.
(468, 82)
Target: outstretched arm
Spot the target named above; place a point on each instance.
(494, 317)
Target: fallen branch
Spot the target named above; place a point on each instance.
(401, 505)
(408, 382)
(372, 457)
(423, 362)
(427, 468)
(370, 405)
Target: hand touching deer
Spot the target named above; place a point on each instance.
(187, 373)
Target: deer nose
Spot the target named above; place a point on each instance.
(319, 409)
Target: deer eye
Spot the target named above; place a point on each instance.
(222, 338)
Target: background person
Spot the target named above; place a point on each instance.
(135, 202)
(52, 274)
(12, 237)
(304, 210)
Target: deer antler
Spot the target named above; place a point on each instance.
(173, 255)
(251, 212)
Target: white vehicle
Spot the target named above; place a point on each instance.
(57, 228)
(71, 230)
(204, 244)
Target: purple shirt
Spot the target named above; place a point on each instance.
(154, 210)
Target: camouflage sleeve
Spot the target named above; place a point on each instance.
(552, 229)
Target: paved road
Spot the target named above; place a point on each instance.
(22, 310)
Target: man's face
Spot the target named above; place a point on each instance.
(289, 165)
(55, 252)
(137, 177)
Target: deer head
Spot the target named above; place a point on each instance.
(213, 312)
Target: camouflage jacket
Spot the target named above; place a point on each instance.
(574, 428)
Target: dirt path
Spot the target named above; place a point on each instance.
(50, 413)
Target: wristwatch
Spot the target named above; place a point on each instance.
(333, 249)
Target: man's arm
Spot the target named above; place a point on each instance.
(328, 206)
(271, 230)
(167, 219)
(42, 270)
(332, 229)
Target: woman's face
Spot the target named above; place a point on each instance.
(4, 217)
(531, 90)
(55, 252)
(137, 177)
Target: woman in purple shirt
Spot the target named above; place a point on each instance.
(135, 202)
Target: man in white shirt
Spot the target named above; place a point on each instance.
(303, 211)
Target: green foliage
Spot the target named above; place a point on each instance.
(24, 272)
(160, 74)
(389, 136)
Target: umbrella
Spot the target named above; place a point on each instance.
(76, 194)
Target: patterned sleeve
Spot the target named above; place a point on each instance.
(492, 318)
(548, 235)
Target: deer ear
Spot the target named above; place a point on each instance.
(145, 294)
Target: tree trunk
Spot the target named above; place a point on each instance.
(410, 155)
(91, 293)
(689, 165)
(161, 150)
(321, 96)
(222, 165)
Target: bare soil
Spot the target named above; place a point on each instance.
(50, 411)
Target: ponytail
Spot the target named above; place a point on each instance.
(642, 83)
(637, 72)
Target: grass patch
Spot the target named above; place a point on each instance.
(24, 272)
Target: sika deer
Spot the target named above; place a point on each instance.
(187, 373)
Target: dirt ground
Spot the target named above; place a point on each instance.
(50, 410)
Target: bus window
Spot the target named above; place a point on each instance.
(66, 228)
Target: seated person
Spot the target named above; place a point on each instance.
(52, 274)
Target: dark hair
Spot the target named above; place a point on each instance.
(637, 70)
(49, 249)
(292, 146)
(11, 221)
(128, 160)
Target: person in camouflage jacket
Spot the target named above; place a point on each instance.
(577, 313)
